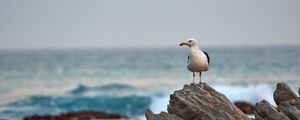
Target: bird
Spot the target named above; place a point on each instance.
(198, 60)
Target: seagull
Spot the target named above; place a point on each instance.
(198, 60)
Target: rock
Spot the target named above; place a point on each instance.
(201, 102)
(162, 116)
(82, 115)
(292, 112)
(291, 108)
(288, 102)
(265, 111)
(246, 107)
(283, 93)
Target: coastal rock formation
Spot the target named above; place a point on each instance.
(288, 105)
(202, 102)
(283, 93)
(265, 111)
(287, 101)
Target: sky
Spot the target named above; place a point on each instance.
(38, 24)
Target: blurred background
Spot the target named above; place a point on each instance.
(123, 56)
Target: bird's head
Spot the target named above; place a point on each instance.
(189, 42)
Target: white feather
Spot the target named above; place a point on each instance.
(198, 60)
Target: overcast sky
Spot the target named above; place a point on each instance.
(139, 23)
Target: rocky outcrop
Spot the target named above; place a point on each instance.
(288, 105)
(283, 93)
(287, 101)
(202, 102)
(265, 111)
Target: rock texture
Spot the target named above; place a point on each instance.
(246, 107)
(284, 93)
(265, 111)
(201, 102)
(287, 101)
(288, 105)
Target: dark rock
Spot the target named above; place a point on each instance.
(283, 93)
(82, 115)
(246, 107)
(201, 102)
(162, 116)
(265, 111)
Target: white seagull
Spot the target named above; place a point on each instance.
(198, 60)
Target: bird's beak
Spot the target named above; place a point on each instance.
(182, 43)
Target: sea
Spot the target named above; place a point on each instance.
(126, 81)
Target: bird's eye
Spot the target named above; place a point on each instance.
(189, 41)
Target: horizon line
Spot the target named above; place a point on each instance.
(145, 47)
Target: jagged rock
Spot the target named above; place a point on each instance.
(288, 102)
(283, 93)
(246, 107)
(201, 102)
(265, 111)
(162, 116)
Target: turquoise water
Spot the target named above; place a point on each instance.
(126, 81)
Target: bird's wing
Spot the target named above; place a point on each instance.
(188, 61)
(207, 56)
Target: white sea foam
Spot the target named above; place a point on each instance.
(159, 103)
(248, 93)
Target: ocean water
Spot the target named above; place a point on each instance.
(126, 81)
